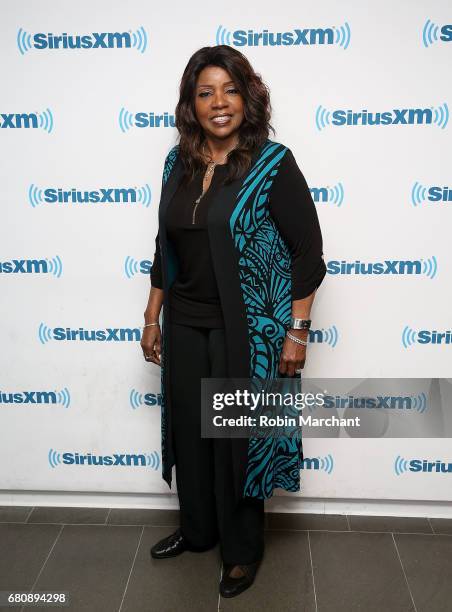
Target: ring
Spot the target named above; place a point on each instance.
(298, 371)
(147, 356)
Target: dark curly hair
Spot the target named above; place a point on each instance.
(255, 127)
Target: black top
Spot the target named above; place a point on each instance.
(193, 297)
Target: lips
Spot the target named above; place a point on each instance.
(221, 119)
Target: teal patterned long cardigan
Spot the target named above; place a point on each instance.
(252, 264)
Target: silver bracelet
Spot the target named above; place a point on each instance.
(149, 324)
(297, 340)
(299, 323)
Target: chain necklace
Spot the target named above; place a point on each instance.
(210, 168)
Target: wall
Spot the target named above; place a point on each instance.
(83, 119)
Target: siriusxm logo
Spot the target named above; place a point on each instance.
(425, 336)
(118, 334)
(27, 121)
(32, 266)
(46, 41)
(402, 465)
(291, 38)
(325, 464)
(397, 116)
(432, 33)
(151, 460)
(324, 336)
(37, 397)
(435, 193)
(138, 399)
(134, 266)
(427, 267)
(377, 402)
(328, 195)
(128, 120)
(103, 195)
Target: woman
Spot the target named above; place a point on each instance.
(237, 262)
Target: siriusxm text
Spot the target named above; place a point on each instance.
(296, 37)
(95, 40)
(390, 402)
(380, 267)
(396, 116)
(423, 465)
(97, 335)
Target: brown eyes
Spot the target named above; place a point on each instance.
(232, 90)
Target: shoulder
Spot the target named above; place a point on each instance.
(172, 154)
(277, 152)
(282, 157)
(170, 160)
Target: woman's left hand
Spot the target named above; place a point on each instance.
(293, 355)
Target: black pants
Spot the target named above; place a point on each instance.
(204, 474)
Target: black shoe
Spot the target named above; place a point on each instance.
(230, 587)
(171, 546)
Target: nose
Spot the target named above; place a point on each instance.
(218, 99)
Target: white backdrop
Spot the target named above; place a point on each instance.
(70, 120)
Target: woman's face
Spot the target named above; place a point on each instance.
(218, 103)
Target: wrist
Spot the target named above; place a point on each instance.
(300, 333)
(150, 317)
(148, 320)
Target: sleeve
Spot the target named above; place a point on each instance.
(156, 270)
(293, 210)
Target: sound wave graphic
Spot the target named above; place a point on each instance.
(336, 195)
(153, 460)
(45, 120)
(430, 267)
(223, 36)
(54, 458)
(35, 195)
(44, 333)
(326, 463)
(420, 402)
(140, 39)
(343, 35)
(64, 397)
(429, 33)
(418, 194)
(136, 399)
(330, 335)
(144, 195)
(55, 266)
(441, 115)
(131, 266)
(400, 465)
(322, 117)
(409, 336)
(125, 120)
(23, 41)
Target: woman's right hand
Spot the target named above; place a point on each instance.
(151, 344)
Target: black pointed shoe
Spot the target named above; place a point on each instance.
(230, 587)
(171, 546)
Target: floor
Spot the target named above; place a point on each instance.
(324, 563)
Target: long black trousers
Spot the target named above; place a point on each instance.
(208, 510)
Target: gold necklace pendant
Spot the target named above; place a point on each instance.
(210, 169)
(197, 201)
